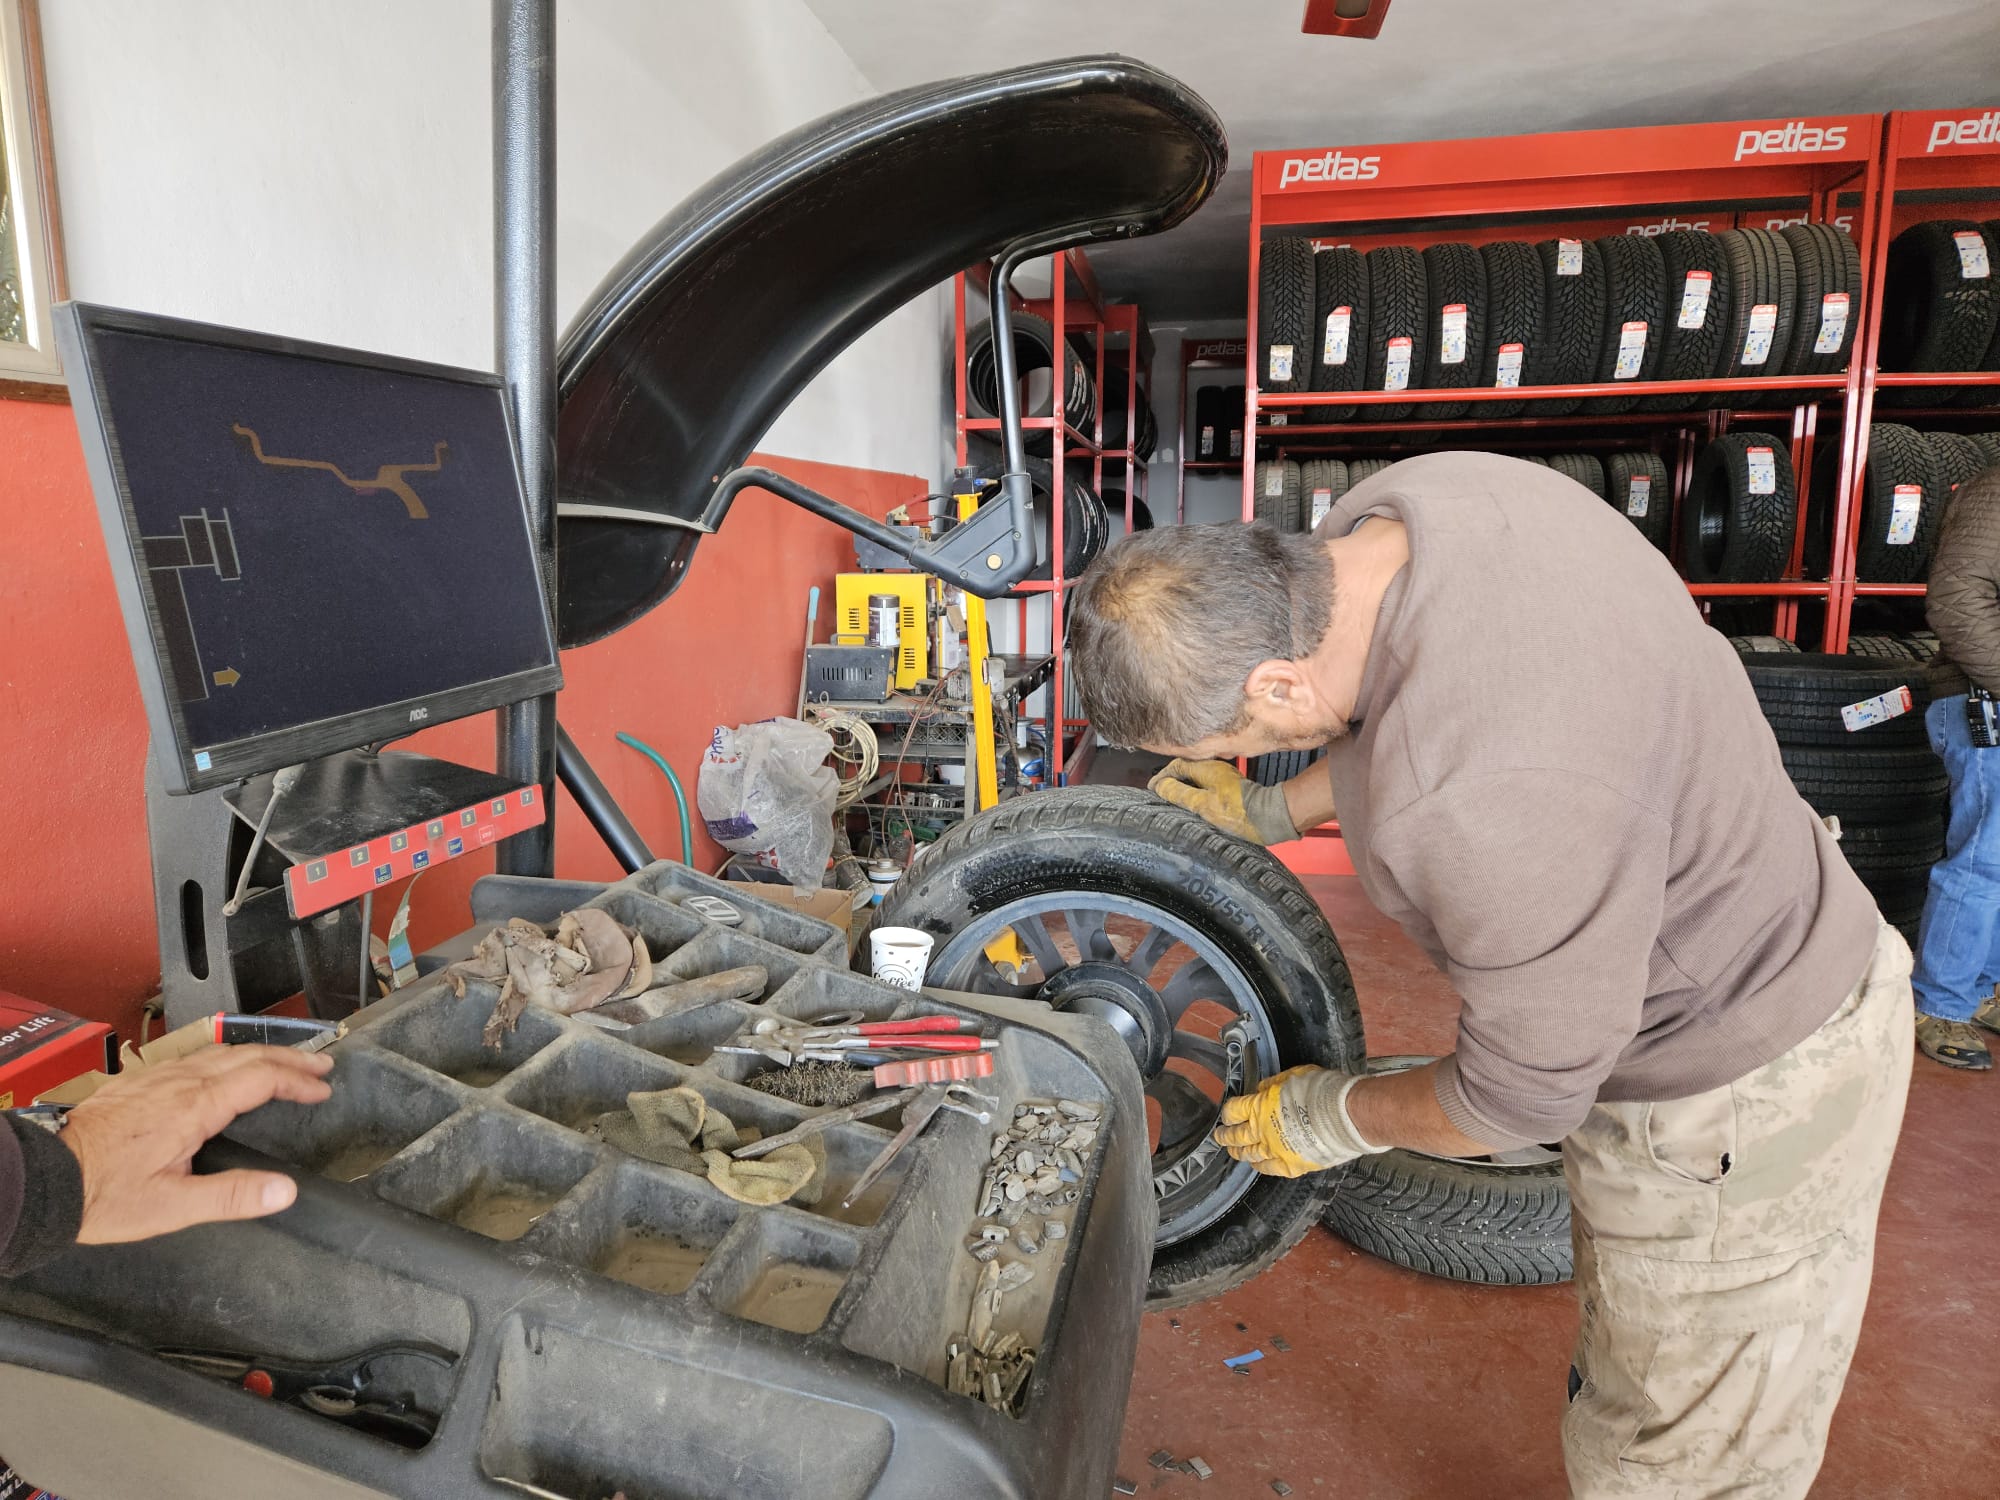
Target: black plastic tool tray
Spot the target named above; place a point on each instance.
(574, 1381)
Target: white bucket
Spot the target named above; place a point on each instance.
(900, 955)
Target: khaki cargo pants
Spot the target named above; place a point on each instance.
(1723, 1250)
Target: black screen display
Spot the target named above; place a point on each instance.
(314, 539)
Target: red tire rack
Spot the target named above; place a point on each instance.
(1578, 184)
(1937, 164)
(1075, 304)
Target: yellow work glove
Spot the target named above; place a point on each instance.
(1216, 791)
(1295, 1123)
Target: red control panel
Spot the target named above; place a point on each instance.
(316, 885)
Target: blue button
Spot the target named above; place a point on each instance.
(383, 872)
(420, 860)
(202, 761)
(357, 857)
(456, 846)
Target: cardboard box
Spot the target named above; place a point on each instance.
(42, 1048)
(827, 903)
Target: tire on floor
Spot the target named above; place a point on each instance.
(1802, 694)
(1901, 784)
(1737, 520)
(1480, 1221)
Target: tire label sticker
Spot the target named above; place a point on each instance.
(1451, 335)
(1281, 363)
(1322, 503)
(1279, 419)
(1207, 440)
(1890, 705)
(1507, 368)
(1236, 442)
(1398, 376)
(1763, 470)
(1569, 257)
(1274, 483)
(1832, 323)
(1639, 498)
(1972, 262)
(1631, 351)
(1694, 299)
(1904, 514)
(1338, 322)
(1757, 342)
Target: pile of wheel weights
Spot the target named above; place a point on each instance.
(1884, 782)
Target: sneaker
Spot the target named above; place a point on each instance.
(1988, 1014)
(1956, 1044)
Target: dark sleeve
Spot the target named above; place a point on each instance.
(1963, 604)
(41, 1197)
(1545, 889)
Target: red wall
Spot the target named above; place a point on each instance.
(76, 904)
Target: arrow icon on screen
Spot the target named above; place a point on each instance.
(228, 677)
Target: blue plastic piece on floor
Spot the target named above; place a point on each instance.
(1244, 1359)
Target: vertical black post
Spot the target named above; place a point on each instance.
(524, 220)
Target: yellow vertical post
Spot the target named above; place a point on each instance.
(986, 764)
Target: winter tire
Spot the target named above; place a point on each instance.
(1696, 287)
(1398, 325)
(1934, 316)
(1340, 326)
(1872, 785)
(1803, 693)
(1456, 277)
(1634, 276)
(1284, 314)
(1513, 320)
(1636, 484)
(1275, 493)
(1763, 298)
(1828, 264)
(1585, 469)
(1737, 520)
(1573, 303)
(1034, 351)
(1890, 548)
(1365, 468)
(1322, 481)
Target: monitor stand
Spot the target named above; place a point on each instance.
(351, 822)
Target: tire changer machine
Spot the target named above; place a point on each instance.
(320, 550)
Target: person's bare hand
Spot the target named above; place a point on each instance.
(136, 1137)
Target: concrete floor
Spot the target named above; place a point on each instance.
(1400, 1386)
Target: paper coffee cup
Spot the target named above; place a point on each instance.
(900, 955)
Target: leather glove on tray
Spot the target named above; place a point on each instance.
(1216, 791)
(1295, 1123)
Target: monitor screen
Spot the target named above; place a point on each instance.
(316, 548)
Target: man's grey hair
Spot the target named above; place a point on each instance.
(1166, 628)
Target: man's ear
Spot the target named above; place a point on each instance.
(1278, 685)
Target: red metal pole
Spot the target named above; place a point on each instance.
(1878, 196)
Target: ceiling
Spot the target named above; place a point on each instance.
(1441, 68)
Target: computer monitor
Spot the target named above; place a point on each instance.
(315, 548)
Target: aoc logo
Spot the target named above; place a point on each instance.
(1980, 130)
(1335, 166)
(1797, 136)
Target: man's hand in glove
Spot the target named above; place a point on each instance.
(1295, 1123)
(1218, 792)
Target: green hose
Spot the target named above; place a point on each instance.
(680, 797)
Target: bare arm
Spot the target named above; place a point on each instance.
(1402, 1110)
(1309, 798)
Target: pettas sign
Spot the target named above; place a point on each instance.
(1977, 130)
(1795, 138)
(1330, 166)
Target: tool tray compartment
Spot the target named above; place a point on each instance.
(617, 1325)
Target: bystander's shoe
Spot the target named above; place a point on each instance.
(1956, 1044)
(1988, 1014)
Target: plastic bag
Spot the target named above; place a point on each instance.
(766, 793)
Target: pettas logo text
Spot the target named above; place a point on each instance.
(1785, 139)
(1335, 166)
(1979, 130)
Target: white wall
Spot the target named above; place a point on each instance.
(322, 168)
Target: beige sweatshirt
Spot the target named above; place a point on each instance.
(1559, 783)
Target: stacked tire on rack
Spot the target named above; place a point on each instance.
(1941, 310)
(1882, 781)
(1686, 305)
(1035, 354)
(1218, 424)
(1907, 485)
(1295, 495)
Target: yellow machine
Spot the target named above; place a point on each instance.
(850, 617)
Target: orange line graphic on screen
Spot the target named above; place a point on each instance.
(389, 477)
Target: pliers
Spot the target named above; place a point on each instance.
(345, 1389)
